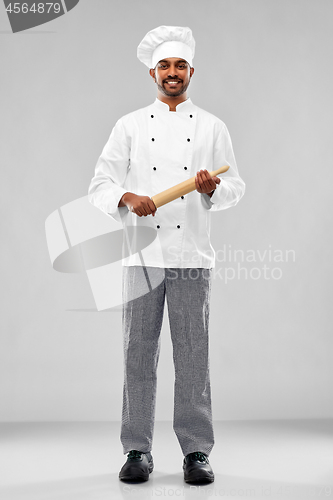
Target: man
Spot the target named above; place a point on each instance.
(150, 150)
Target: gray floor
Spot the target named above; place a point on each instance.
(79, 461)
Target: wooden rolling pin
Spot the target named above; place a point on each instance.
(181, 189)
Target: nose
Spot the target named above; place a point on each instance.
(172, 71)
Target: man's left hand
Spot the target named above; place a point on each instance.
(204, 183)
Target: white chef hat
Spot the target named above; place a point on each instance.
(166, 41)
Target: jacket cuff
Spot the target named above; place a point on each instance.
(206, 201)
(113, 210)
(219, 194)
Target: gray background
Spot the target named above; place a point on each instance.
(265, 68)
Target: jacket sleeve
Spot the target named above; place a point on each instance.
(232, 187)
(106, 187)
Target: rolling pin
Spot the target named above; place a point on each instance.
(181, 189)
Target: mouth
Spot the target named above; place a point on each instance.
(172, 83)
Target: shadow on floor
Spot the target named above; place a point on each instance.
(108, 486)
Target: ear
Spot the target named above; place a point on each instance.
(152, 74)
(191, 72)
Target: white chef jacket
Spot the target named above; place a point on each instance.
(153, 149)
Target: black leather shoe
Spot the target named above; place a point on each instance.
(137, 467)
(197, 468)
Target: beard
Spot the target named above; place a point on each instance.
(168, 93)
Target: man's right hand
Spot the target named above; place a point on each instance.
(140, 205)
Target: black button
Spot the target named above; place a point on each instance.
(154, 139)
(151, 116)
(158, 227)
(154, 168)
(178, 227)
(188, 140)
(191, 116)
(185, 168)
(182, 197)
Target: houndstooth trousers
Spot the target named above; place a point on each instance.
(187, 291)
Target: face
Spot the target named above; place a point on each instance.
(172, 76)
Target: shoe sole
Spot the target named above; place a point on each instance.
(204, 479)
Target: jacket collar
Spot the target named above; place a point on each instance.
(185, 106)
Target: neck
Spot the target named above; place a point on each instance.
(172, 101)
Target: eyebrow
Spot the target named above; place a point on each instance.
(179, 60)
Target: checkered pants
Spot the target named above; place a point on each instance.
(188, 294)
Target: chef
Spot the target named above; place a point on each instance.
(148, 151)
